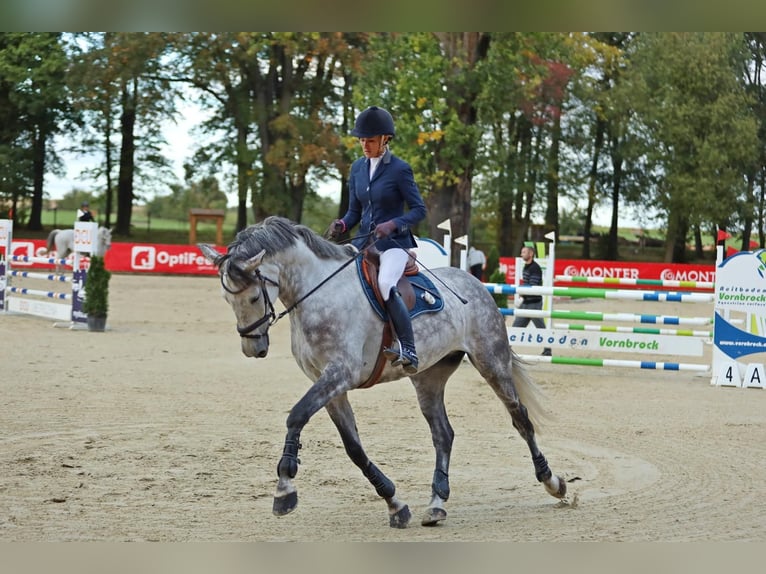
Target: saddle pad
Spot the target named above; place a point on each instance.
(425, 291)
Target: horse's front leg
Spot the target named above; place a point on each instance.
(342, 416)
(286, 496)
(323, 390)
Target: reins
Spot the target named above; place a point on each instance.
(325, 280)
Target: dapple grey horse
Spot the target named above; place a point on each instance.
(62, 241)
(336, 339)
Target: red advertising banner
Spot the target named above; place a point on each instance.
(133, 257)
(187, 259)
(621, 270)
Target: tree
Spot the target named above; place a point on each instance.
(525, 87)
(753, 77)
(33, 98)
(700, 133)
(277, 95)
(122, 96)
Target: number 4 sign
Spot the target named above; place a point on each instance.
(729, 376)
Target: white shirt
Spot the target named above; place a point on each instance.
(475, 257)
(374, 161)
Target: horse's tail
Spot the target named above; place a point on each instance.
(51, 240)
(530, 394)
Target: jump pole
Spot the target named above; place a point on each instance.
(584, 361)
(702, 285)
(587, 293)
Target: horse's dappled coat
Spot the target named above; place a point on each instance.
(335, 339)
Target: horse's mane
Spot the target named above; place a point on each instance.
(275, 234)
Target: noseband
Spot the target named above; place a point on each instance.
(269, 314)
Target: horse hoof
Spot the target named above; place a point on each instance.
(434, 516)
(558, 492)
(285, 504)
(401, 519)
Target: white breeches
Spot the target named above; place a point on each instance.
(392, 263)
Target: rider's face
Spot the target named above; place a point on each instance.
(372, 147)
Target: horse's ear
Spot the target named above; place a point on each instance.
(208, 251)
(253, 263)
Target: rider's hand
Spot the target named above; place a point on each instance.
(336, 229)
(385, 229)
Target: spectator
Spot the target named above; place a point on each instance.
(477, 262)
(531, 276)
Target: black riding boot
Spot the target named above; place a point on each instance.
(400, 317)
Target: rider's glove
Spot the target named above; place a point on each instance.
(385, 229)
(336, 229)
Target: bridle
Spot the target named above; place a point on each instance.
(269, 313)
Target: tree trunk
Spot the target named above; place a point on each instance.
(613, 247)
(38, 175)
(109, 184)
(747, 228)
(675, 241)
(598, 143)
(698, 252)
(127, 159)
(243, 176)
(552, 199)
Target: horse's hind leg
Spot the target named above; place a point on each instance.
(508, 383)
(342, 416)
(429, 387)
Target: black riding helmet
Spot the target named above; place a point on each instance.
(373, 121)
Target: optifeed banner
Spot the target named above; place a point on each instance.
(132, 257)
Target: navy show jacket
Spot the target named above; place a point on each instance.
(372, 202)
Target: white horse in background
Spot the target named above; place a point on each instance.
(62, 242)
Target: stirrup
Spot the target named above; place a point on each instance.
(403, 356)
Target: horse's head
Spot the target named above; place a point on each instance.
(104, 240)
(251, 289)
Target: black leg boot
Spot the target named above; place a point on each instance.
(400, 317)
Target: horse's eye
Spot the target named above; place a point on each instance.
(255, 298)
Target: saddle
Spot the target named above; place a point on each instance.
(370, 266)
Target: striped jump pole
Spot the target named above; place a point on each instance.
(39, 293)
(620, 317)
(48, 260)
(648, 282)
(45, 276)
(640, 330)
(584, 292)
(587, 362)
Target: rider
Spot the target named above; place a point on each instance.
(84, 214)
(380, 185)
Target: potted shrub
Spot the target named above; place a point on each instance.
(96, 301)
